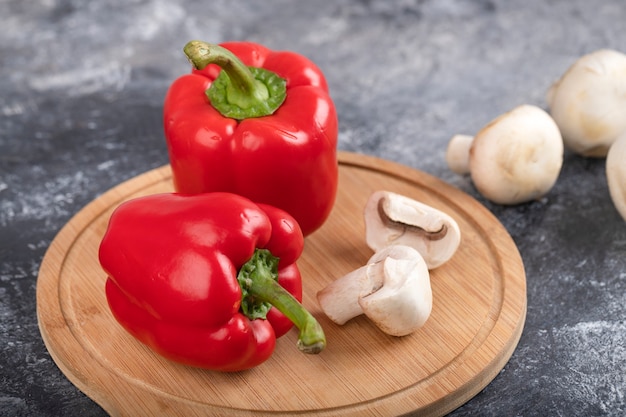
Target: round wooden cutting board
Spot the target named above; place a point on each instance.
(479, 308)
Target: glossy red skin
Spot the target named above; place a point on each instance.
(287, 159)
(172, 263)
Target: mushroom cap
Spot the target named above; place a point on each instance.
(588, 102)
(616, 174)
(404, 302)
(394, 219)
(517, 157)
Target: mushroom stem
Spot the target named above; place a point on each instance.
(340, 299)
(458, 154)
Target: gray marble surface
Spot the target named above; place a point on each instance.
(81, 94)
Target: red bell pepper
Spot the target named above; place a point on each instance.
(208, 280)
(254, 122)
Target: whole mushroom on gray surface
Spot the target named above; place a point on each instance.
(515, 158)
(588, 102)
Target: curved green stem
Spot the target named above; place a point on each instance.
(239, 92)
(260, 288)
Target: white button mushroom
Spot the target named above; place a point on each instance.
(515, 158)
(616, 173)
(394, 219)
(392, 290)
(588, 103)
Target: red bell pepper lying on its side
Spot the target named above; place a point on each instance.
(195, 277)
(254, 122)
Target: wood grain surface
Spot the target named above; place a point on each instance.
(479, 308)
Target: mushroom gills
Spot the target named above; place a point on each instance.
(394, 219)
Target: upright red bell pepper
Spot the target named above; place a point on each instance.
(254, 122)
(208, 280)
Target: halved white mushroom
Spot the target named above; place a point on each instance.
(394, 219)
(616, 173)
(515, 158)
(588, 102)
(392, 290)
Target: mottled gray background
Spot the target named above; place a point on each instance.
(81, 91)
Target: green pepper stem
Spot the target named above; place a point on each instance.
(239, 91)
(258, 280)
